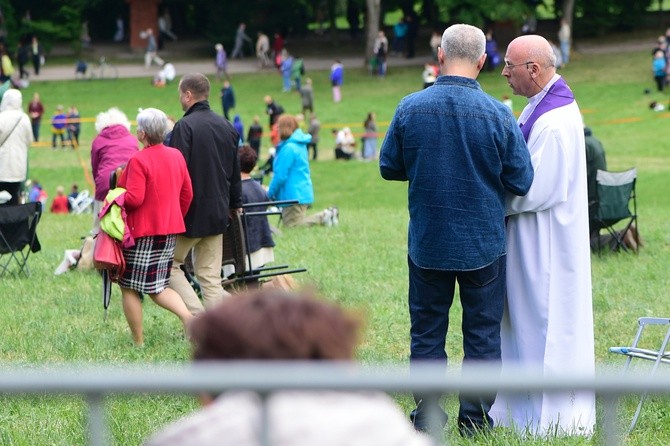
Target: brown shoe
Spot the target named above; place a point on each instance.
(637, 236)
(629, 240)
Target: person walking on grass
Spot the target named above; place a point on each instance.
(157, 197)
(208, 142)
(227, 99)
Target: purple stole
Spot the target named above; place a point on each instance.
(557, 96)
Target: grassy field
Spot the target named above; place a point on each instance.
(361, 263)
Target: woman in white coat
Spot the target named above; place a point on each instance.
(15, 137)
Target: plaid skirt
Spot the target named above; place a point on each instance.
(148, 264)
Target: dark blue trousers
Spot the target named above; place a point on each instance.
(482, 293)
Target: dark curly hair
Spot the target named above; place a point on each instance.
(248, 158)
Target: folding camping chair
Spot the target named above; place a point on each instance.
(615, 197)
(237, 252)
(82, 203)
(18, 236)
(658, 356)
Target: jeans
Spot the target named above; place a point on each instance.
(36, 130)
(565, 52)
(287, 82)
(482, 293)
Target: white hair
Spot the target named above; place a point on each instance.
(113, 116)
(465, 42)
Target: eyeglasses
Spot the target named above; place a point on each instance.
(509, 66)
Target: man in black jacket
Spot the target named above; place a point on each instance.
(209, 145)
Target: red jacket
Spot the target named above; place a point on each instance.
(158, 191)
(60, 205)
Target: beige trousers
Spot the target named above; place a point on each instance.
(207, 255)
(296, 215)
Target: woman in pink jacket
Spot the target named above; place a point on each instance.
(112, 148)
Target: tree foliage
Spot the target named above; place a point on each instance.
(50, 20)
(61, 19)
(481, 12)
(598, 17)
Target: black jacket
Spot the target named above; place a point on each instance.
(209, 145)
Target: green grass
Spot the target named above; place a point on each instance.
(361, 263)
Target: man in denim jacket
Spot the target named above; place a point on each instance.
(461, 151)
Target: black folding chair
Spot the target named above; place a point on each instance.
(18, 237)
(616, 203)
(237, 251)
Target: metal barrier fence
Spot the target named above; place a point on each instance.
(266, 377)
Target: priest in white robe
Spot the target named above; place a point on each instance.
(548, 318)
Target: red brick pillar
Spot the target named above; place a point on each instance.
(143, 15)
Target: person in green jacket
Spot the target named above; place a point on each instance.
(297, 71)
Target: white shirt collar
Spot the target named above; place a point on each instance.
(534, 100)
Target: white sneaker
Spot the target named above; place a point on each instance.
(327, 217)
(64, 266)
(335, 220)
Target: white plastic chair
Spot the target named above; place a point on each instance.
(82, 203)
(662, 355)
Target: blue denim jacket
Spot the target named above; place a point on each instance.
(460, 149)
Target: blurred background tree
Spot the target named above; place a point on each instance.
(61, 20)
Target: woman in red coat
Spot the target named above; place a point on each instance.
(158, 195)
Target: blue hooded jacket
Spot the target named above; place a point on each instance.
(291, 179)
(237, 123)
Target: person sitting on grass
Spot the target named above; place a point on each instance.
(258, 232)
(60, 203)
(291, 179)
(269, 324)
(345, 144)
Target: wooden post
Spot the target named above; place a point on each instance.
(143, 15)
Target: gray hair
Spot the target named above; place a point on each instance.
(153, 123)
(111, 117)
(465, 42)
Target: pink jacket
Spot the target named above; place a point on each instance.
(113, 147)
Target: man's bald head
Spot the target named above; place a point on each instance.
(530, 63)
(536, 49)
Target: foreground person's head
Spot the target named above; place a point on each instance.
(272, 324)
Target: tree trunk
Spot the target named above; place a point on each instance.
(332, 17)
(372, 28)
(568, 10)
